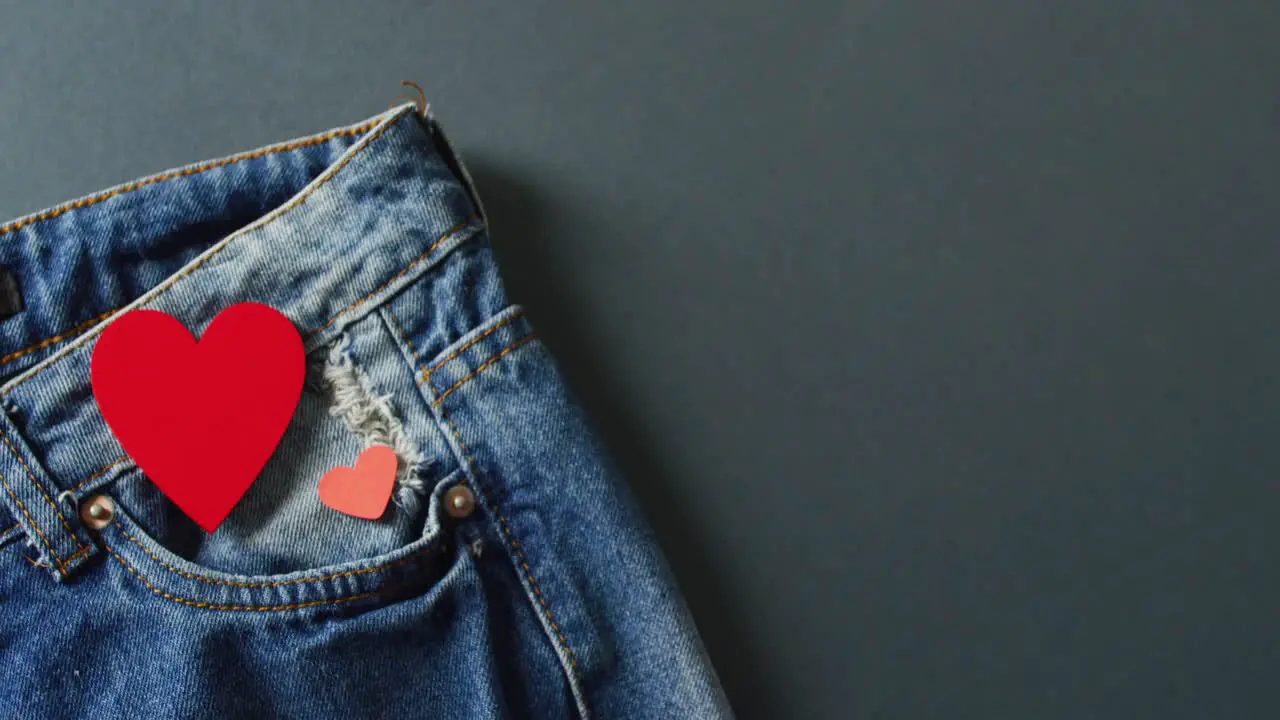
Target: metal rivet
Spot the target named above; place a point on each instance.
(97, 512)
(459, 502)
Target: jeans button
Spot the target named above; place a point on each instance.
(459, 502)
(97, 512)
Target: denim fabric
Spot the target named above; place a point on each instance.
(550, 600)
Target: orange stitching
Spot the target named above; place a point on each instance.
(394, 319)
(56, 510)
(298, 581)
(84, 482)
(417, 361)
(184, 172)
(325, 177)
(84, 550)
(99, 473)
(515, 316)
(56, 338)
(448, 234)
(242, 608)
(524, 563)
(36, 527)
(487, 363)
(332, 171)
(144, 182)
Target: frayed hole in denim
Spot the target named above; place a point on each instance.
(369, 416)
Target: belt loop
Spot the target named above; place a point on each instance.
(32, 497)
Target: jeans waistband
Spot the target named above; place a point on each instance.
(321, 228)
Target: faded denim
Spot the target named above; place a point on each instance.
(550, 600)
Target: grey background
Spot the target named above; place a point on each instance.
(937, 338)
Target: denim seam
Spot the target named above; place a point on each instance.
(101, 471)
(56, 510)
(186, 172)
(274, 215)
(506, 527)
(278, 583)
(74, 556)
(496, 327)
(483, 366)
(183, 172)
(404, 336)
(448, 235)
(515, 545)
(34, 526)
(403, 271)
(243, 608)
(57, 338)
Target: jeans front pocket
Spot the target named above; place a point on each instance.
(358, 394)
(407, 570)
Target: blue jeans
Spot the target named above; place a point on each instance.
(511, 575)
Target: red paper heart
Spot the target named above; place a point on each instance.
(362, 491)
(200, 418)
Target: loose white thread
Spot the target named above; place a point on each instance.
(370, 416)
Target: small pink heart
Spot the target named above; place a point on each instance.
(361, 491)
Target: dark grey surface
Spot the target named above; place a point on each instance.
(937, 338)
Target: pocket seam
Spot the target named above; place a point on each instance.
(426, 373)
(276, 583)
(486, 364)
(186, 587)
(242, 608)
(472, 470)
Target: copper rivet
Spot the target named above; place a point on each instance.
(459, 502)
(97, 511)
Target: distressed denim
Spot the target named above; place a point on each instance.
(549, 599)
